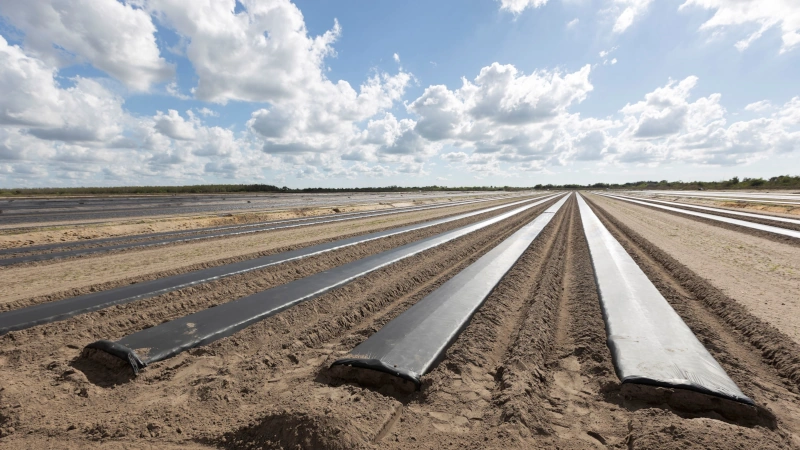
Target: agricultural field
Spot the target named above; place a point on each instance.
(540, 319)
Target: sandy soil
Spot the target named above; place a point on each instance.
(87, 274)
(66, 232)
(530, 371)
(760, 274)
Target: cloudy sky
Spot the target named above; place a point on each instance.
(363, 93)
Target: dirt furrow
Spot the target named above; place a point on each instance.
(456, 398)
(265, 371)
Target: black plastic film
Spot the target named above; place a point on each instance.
(27, 317)
(649, 342)
(714, 210)
(235, 231)
(203, 327)
(741, 223)
(413, 343)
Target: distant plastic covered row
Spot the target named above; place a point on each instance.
(206, 232)
(741, 223)
(715, 210)
(649, 342)
(30, 316)
(203, 327)
(237, 231)
(413, 343)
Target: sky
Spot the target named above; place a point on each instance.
(377, 93)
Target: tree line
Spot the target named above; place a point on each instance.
(779, 182)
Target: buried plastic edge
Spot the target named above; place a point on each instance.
(380, 366)
(121, 352)
(687, 386)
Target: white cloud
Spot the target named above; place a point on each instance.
(517, 6)
(604, 53)
(499, 96)
(501, 121)
(174, 126)
(174, 91)
(328, 121)
(572, 23)
(68, 135)
(112, 36)
(667, 126)
(759, 106)
(207, 112)
(502, 116)
(764, 14)
(32, 98)
(260, 54)
(628, 11)
(663, 112)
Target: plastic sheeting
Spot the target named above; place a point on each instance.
(207, 232)
(741, 223)
(718, 210)
(293, 223)
(734, 194)
(413, 343)
(22, 318)
(203, 327)
(649, 342)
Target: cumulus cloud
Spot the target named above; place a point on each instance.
(627, 11)
(327, 122)
(174, 126)
(32, 98)
(208, 112)
(75, 133)
(572, 23)
(517, 6)
(499, 96)
(497, 121)
(764, 14)
(112, 36)
(262, 53)
(759, 106)
(668, 126)
(663, 112)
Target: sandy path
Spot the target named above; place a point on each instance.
(762, 275)
(50, 280)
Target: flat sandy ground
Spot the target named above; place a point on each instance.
(531, 370)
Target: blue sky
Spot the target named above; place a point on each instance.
(324, 93)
